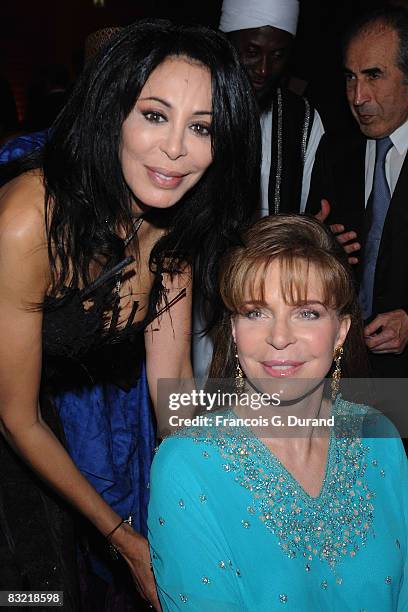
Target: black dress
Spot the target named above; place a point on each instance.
(38, 530)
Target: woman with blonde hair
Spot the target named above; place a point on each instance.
(309, 510)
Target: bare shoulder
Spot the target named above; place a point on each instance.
(22, 223)
(24, 263)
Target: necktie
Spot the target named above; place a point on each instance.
(377, 207)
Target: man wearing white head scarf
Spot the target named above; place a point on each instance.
(263, 32)
(246, 14)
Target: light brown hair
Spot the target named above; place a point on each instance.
(300, 245)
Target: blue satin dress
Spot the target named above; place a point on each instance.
(22, 145)
(111, 441)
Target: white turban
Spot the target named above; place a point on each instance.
(246, 14)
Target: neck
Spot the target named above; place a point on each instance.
(265, 100)
(311, 432)
(137, 208)
(290, 421)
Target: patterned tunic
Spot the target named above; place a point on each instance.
(231, 529)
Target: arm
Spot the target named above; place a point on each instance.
(382, 436)
(168, 338)
(186, 536)
(321, 181)
(24, 277)
(314, 140)
(402, 480)
(321, 196)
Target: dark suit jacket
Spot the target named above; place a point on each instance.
(339, 176)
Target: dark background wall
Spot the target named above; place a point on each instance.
(35, 33)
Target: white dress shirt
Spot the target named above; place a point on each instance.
(393, 162)
(316, 133)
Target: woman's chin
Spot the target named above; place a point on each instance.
(287, 388)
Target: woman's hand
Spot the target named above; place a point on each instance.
(135, 550)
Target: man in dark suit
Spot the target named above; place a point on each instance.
(365, 179)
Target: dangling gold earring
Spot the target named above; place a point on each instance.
(239, 375)
(336, 376)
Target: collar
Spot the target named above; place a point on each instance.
(399, 138)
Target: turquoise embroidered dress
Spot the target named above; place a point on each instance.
(231, 530)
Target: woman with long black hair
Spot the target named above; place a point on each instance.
(152, 166)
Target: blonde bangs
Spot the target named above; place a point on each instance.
(244, 279)
(297, 270)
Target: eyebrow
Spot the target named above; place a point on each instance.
(254, 303)
(311, 303)
(251, 43)
(367, 71)
(372, 71)
(168, 105)
(297, 305)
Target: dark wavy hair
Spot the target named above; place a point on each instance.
(296, 242)
(86, 194)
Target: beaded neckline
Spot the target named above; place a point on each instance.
(271, 459)
(327, 528)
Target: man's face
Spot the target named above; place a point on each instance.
(376, 89)
(265, 53)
